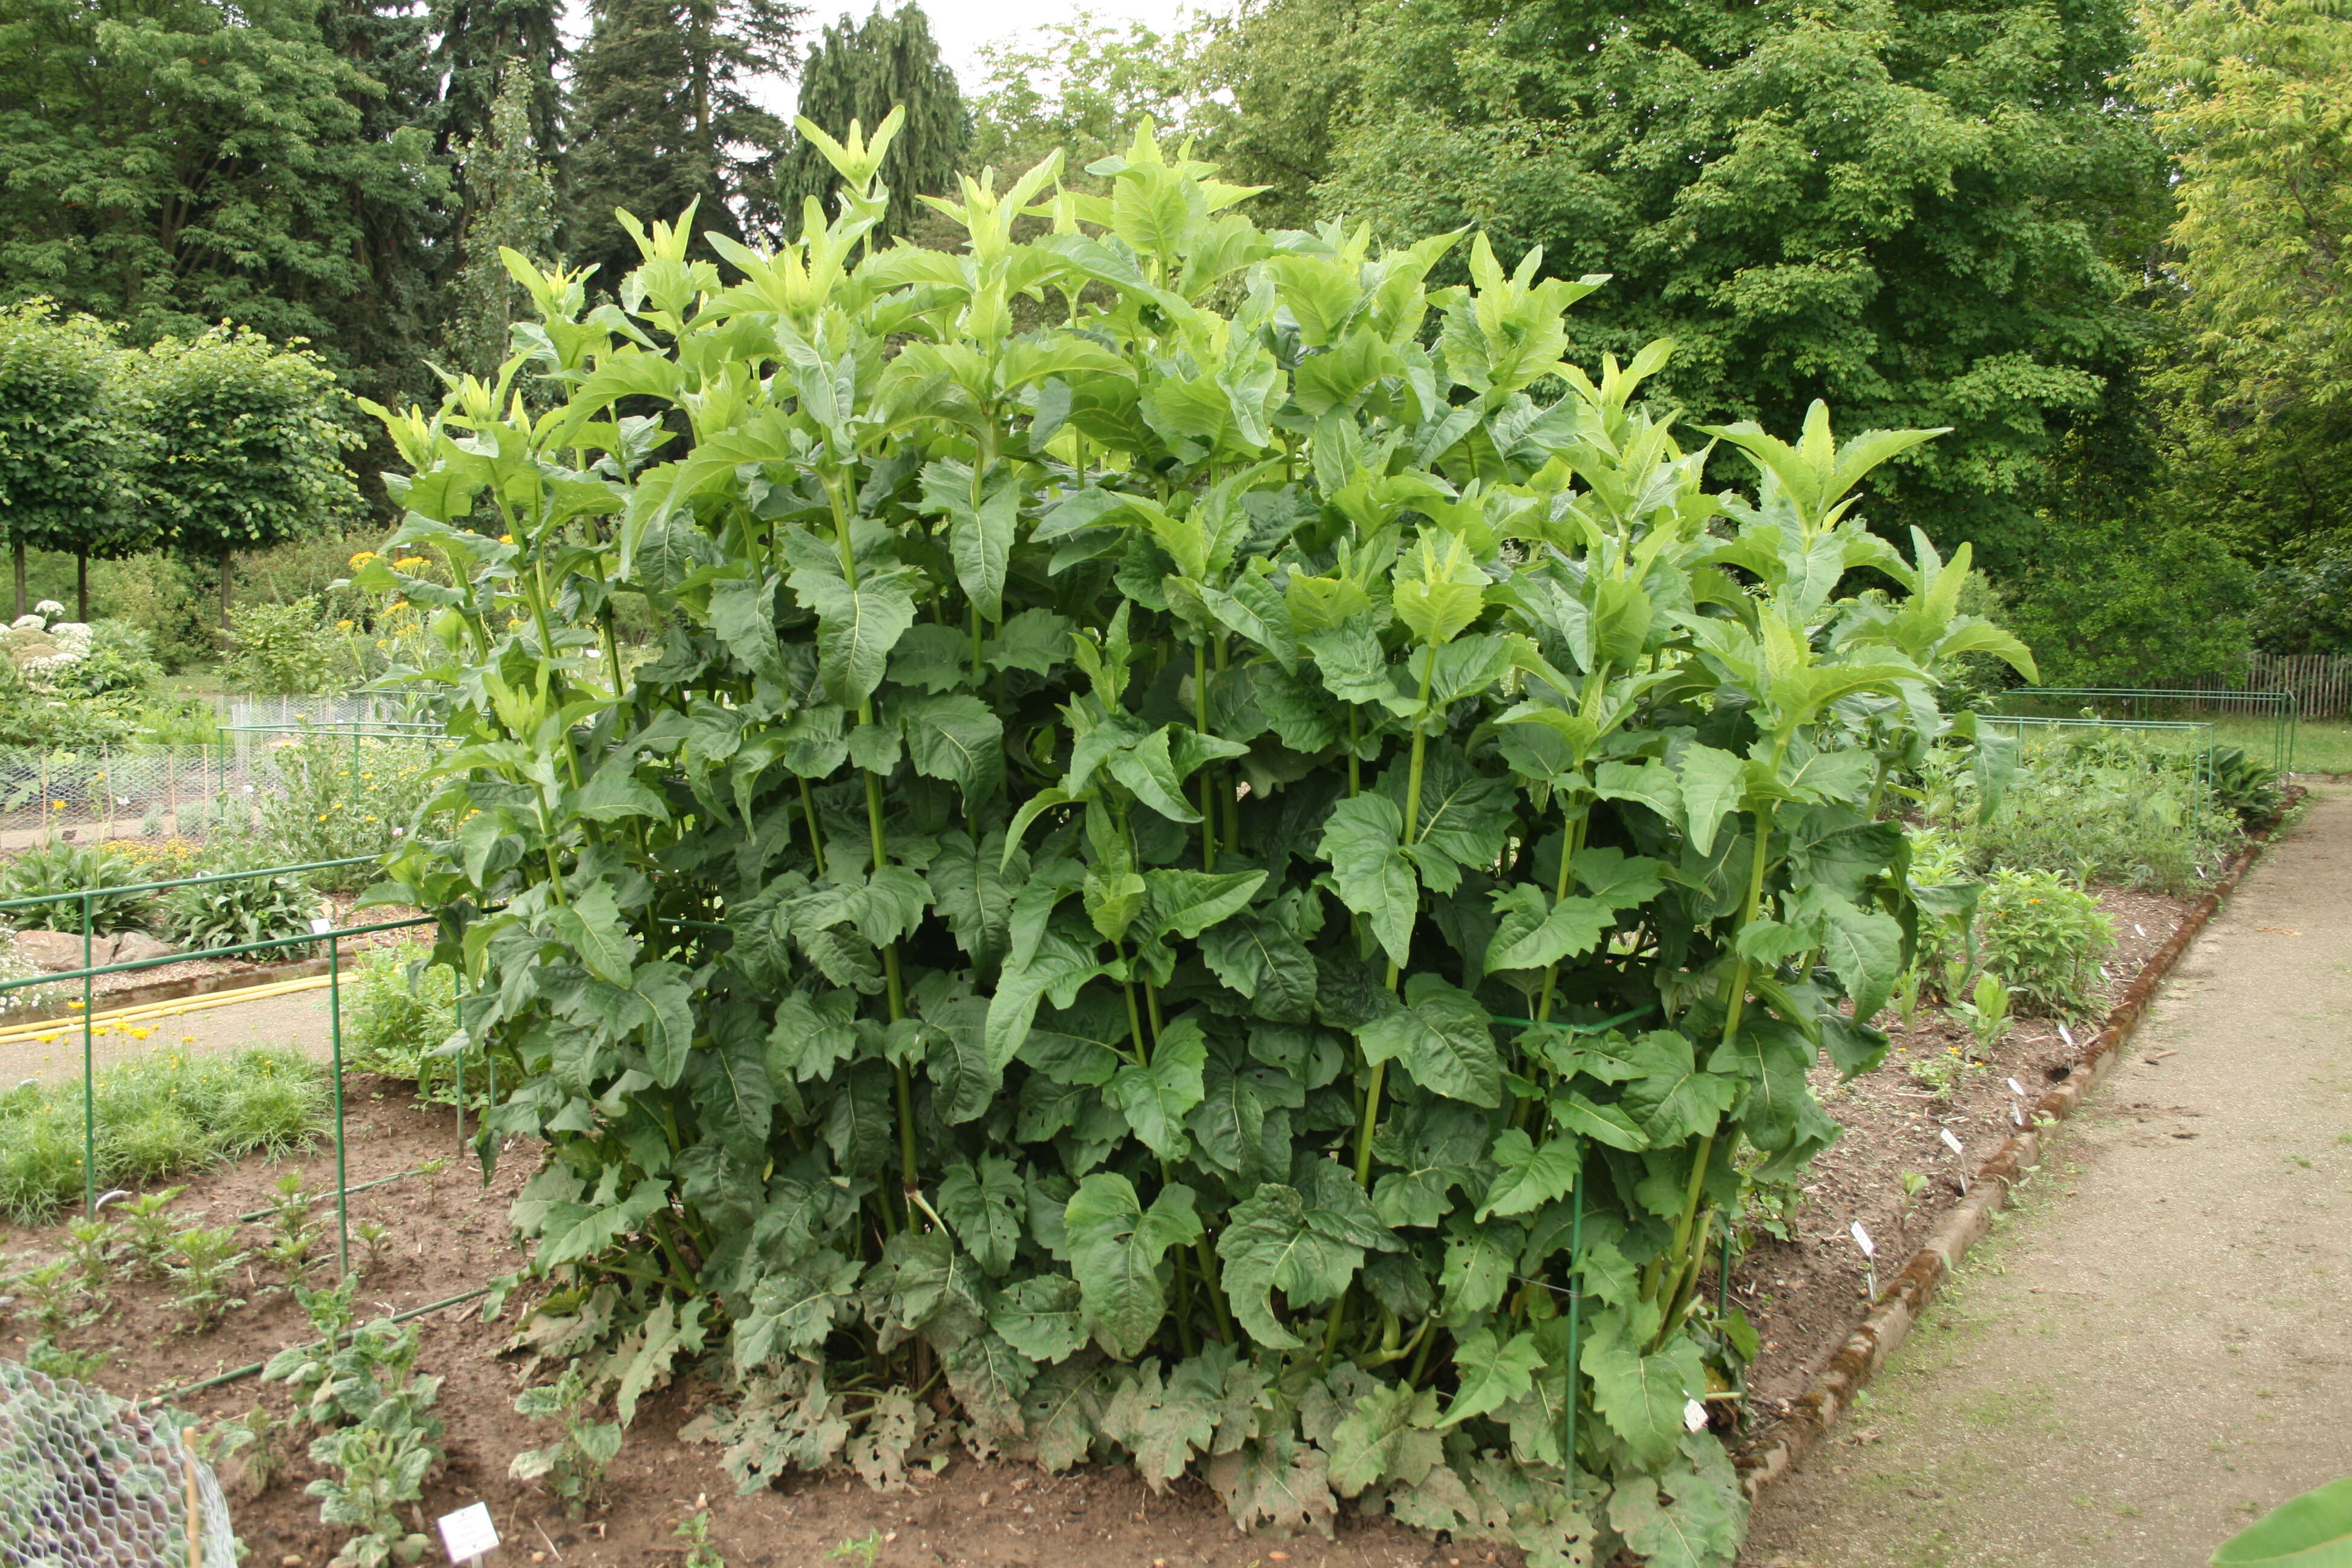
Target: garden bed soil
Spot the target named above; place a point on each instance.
(1804, 1292)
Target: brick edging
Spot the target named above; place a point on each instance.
(1866, 1348)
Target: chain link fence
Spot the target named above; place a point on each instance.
(86, 1481)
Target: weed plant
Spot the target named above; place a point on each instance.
(158, 1116)
(2046, 935)
(376, 1440)
(147, 1230)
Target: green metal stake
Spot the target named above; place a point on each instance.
(335, 1033)
(89, 1079)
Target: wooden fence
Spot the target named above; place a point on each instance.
(2321, 682)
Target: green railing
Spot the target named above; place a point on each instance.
(2143, 702)
(321, 931)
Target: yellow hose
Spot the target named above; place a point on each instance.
(49, 1030)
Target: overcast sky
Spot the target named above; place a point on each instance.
(960, 25)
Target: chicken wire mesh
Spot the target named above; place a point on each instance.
(160, 792)
(86, 1481)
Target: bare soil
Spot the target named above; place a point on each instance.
(450, 1235)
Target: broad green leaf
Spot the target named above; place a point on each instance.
(1389, 1435)
(1361, 839)
(1040, 1316)
(1257, 957)
(1156, 1098)
(955, 738)
(1673, 1100)
(1115, 1246)
(1492, 1372)
(1713, 783)
(1185, 903)
(856, 629)
(1642, 1396)
(1442, 1036)
(1530, 935)
(1270, 1241)
(591, 923)
(1531, 1176)
(2313, 1530)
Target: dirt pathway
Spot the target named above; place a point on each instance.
(2156, 1348)
(297, 1019)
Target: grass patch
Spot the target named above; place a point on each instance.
(157, 1116)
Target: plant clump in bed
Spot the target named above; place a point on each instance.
(1240, 878)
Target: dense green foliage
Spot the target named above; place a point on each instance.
(2044, 935)
(159, 1115)
(1165, 859)
(513, 208)
(69, 438)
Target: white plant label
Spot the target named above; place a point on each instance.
(1952, 1143)
(468, 1534)
(2139, 928)
(2017, 1116)
(320, 926)
(1694, 1415)
(2015, 1090)
(1862, 1239)
(2066, 1035)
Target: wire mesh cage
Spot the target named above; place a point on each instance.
(86, 1481)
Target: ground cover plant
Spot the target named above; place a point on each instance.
(1297, 856)
(158, 1115)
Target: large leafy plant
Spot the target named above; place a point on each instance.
(1235, 873)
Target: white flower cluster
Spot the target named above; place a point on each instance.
(41, 645)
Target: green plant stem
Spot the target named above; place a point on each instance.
(1208, 775)
(808, 813)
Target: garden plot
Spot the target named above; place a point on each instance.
(1801, 1281)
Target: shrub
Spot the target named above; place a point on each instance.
(52, 866)
(121, 657)
(2252, 791)
(245, 909)
(2108, 806)
(1064, 909)
(2045, 936)
(282, 650)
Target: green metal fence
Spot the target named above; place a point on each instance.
(322, 932)
(2150, 704)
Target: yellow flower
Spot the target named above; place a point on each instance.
(343, 625)
(361, 559)
(409, 562)
(506, 539)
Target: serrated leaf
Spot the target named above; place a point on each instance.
(1492, 1372)
(1532, 931)
(856, 629)
(1156, 1098)
(985, 1205)
(1532, 1175)
(988, 1378)
(1442, 1036)
(1041, 1317)
(1259, 958)
(1642, 1396)
(1362, 840)
(1388, 1437)
(1270, 1242)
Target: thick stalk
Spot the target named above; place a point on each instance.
(1370, 1121)
(1233, 797)
(1208, 775)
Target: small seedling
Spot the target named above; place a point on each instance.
(45, 1356)
(147, 1221)
(204, 1264)
(574, 1464)
(54, 1293)
(1909, 990)
(377, 1236)
(431, 1170)
(860, 1550)
(699, 1553)
(1986, 1011)
(289, 1216)
(89, 1247)
(1913, 1184)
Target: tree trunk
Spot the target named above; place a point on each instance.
(227, 561)
(81, 587)
(20, 578)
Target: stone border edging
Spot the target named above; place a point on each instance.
(1890, 1318)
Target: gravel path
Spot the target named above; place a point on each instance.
(297, 1019)
(2156, 1348)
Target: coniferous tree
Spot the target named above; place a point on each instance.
(512, 201)
(667, 116)
(859, 71)
(473, 42)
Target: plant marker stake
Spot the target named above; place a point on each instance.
(2014, 1089)
(2016, 1115)
(1869, 1255)
(2068, 1035)
(468, 1534)
(1959, 1154)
